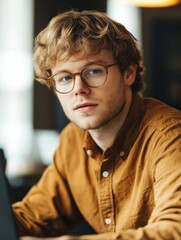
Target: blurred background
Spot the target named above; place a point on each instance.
(30, 115)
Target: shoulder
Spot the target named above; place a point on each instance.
(159, 114)
(162, 129)
(72, 134)
(70, 148)
(161, 125)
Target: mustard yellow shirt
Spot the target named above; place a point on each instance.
(130, 191)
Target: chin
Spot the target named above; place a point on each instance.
(86, 125)
(89, 125)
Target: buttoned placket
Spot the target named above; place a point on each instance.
(106, 195)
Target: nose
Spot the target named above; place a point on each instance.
(79, 86)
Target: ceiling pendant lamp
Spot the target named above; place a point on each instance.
(152, 3)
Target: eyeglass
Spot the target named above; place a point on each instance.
(93, 75)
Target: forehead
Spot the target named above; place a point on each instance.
(79, 60)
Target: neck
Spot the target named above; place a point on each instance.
(105, 135)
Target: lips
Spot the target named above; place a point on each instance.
(84, 105)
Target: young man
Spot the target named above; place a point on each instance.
(118, 163)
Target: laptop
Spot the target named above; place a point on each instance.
(7, 222)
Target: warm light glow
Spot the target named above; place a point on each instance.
(128, 15)
(16, 70)
(151, 3)
(16, 84)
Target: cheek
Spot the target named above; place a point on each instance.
(114, 87)
(115, 80)
(63, 102)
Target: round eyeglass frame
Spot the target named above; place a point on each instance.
(51, 80)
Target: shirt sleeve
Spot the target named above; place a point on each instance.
(49, 208)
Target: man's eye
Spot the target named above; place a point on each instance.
(66, 78)
(62, 78)
(94, 71)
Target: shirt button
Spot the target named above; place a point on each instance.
(122, 153)
(108, 221)
(89, 152)
(105, 174)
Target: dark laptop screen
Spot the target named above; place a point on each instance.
(7, 224)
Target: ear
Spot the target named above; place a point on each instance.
(130, 74)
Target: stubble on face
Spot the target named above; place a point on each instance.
(101, 118)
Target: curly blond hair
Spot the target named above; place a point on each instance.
(87, 32)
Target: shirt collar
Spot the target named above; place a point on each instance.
(130, 128)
